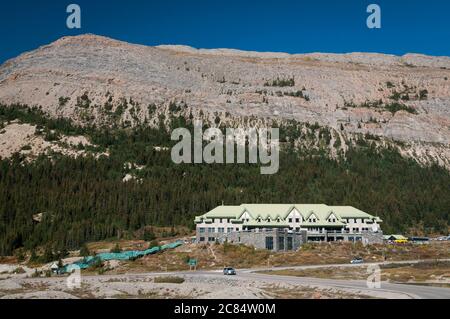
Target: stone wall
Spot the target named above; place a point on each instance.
(282, 240)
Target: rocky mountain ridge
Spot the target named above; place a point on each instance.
(92, 79)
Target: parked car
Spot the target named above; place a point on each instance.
(357, 260)
(228, 271)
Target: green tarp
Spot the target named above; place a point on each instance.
(126, 255)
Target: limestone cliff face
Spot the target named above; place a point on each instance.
(95, 79)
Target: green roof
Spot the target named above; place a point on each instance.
(350, 212)
(275, 211)
(233, 212)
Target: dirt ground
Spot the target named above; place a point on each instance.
(240, 256)
(436, 273)
(146, 287)
(131, 279)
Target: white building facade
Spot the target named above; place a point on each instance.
(320, 222)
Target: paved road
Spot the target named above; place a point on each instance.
(396, 290)
(388, 290)
(407, 290)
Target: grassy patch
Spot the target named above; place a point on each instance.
(169, 280)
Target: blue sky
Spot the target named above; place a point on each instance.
(288, 26)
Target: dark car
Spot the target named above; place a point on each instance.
(228, 271)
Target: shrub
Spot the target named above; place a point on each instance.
(281, 82)
(396, 107)
(148, 235)
(169, 280)
(83, 101)
(116, 249)
(19, 270)
(63, 100)
(51, 136)
(84, 251)
(153, 243)
(423, 94)
(390, 85)
(174, 108)
(48, 255)
(151, 109)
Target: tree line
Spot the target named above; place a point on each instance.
(85, 199)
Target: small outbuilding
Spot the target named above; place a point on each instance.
(54, 268)
(395, 238)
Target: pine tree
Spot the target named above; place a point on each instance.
(84, 251)
(116, 249)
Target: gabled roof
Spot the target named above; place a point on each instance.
(232, 212)
(268, 210)
(349, 212)
(283, 210)
(275, 211)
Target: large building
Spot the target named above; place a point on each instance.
(287, 226)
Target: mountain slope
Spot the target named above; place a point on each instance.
(93, 79)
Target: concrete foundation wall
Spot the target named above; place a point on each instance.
(281, 240)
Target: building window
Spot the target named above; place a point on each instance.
(290, 220)
(221, 230)
(281, 243)
(289, 243)
(237, 228)
(269, 243)
(202, 239)
(229, 229)
(297, 220)
(211, 230)
(201, 230)
(211, 239)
